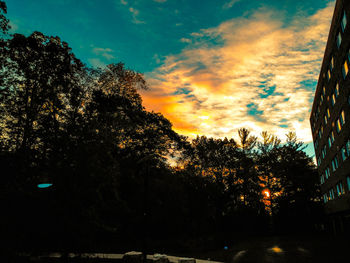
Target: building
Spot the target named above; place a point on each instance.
(330, 121)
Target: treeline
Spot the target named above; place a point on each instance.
(110, 163)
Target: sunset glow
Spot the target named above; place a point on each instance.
(262, 76)
(212, 68)
(267, 193)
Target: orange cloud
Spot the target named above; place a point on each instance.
(243, 73)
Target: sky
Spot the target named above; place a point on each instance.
(213, 66)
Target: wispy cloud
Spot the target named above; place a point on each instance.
(157, 58)
(14, 26)
(107, 53)
(135, 16)
(249, 72)
(18, 25)
(229, 4)
(185, 40)
(104, 55)
(135, 13)
(96, 62)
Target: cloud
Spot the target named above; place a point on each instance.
(97, 63)
(185, 40)
(132, 10)
(229, 4)
(19, 26)
(104, 52)
(251, 72)
(14, 27)
(135, 13)
(157, 58)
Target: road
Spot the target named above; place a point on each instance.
(288, 249)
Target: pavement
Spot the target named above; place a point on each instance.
(267, 249)
(118, 257)
(290, 249)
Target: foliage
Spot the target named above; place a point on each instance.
(4, 22)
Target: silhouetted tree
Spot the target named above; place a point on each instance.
(4, 22)
(298, 202)
(267, 159)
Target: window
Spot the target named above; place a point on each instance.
(327, 173)
(331, 194)
(330, 139)
(345, 69)
(319, 161)
(327, 116)
(345, 151)
(329, 75)
(324, 152)
(336, 90)
(334, 164)
(335, 94)
(340, 189)
(343, 22)
(316, 143)
(317, 113)
(325, 198)
(333, 99)
(322, 179)
(348, 182)
(331, 67)
(339, 126)
(339, 40)
(340, 121)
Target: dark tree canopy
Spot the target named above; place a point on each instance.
(4, 22)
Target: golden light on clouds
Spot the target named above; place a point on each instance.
(251, 72)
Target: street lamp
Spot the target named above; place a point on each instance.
(44, 185)
(44, 182)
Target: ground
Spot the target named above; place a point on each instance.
(288, 249)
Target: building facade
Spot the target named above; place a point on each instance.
(330, 121)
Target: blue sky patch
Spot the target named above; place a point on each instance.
(253, 111)
(182, 91)
(268, 91)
